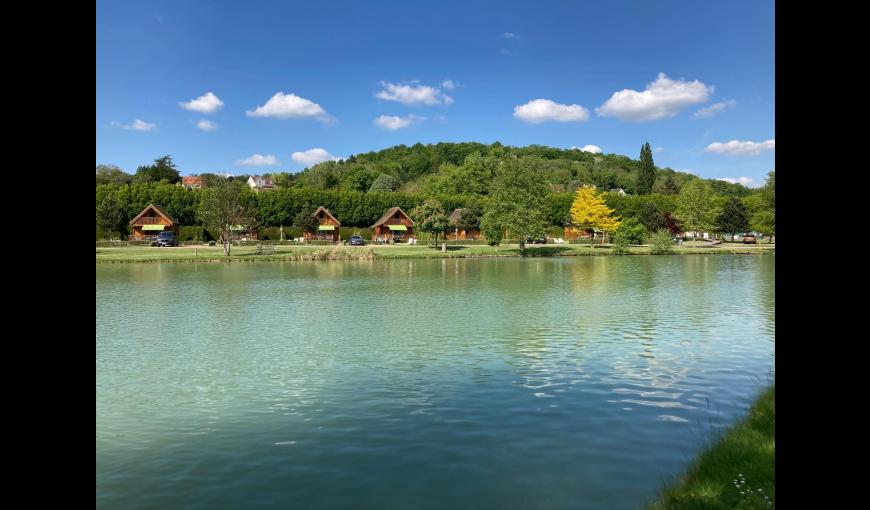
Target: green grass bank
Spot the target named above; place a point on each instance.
(375, 252)
(736, 472)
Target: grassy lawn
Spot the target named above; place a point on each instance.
(743, 459)
(369, 252)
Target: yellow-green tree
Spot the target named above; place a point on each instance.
(589, 211)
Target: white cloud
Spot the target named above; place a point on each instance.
(393, 122)
(715, 109)
(313, 156)
(504, 51)
(258, 160)
(594, 149)
(448, 85)
(136, 125)
(746, 181)
(413, 94)
(737, 148)
(285, 106)
(510, 35)
(658, 149)
(206, 125)
(537, 111)
(662, 98)
(207, 103)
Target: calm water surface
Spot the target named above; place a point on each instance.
(579, 383)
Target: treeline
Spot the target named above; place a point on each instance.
(354, 209)
(468, 168)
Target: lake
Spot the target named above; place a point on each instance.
(581, 382)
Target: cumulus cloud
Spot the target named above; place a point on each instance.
(746, 181)
(537, 111)
(258, 160)
(715, 109)
(737, 148)
(206, 125)
(594, 149)
(448, 85)
(658, 149)
(286, 106)
(393, 122)
(313, 156)
(413, 93)
(206, 103)
(136, 125)
(509, 35)
(662, 98)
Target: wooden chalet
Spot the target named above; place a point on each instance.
(394, 225)
(328, 229)
(572, 233)
(150, 222)
(458, 233)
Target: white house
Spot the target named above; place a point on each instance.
(257, 182)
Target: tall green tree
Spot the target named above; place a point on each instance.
(162, 169)
(695, 208)
(224, 206)
(429, 217)
(764, 221)
(651, 218)
(471, 215)
(646, 175)
(516, 203)
(109, 215)
(306, 220)
(733, 217)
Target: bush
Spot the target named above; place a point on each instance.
(211, 243)
(620, 244)
(190, 233)
(631, 231)
(660, 243)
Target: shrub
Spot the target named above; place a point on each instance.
(620, 244)
(660, 243)
(631, 231)
(190, 233)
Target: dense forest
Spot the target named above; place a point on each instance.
(359, 189)
(451, 168)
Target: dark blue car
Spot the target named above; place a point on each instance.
(357, 241)
(167, 238)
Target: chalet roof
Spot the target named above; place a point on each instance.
(159, 211)
(455, 216)
(324, 209)
(191, 178)
(389, 214)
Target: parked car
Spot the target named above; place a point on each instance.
(542, 240)
(749, 239)
(167, 238)
(357, 241)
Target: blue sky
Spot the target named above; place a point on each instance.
(351, 77)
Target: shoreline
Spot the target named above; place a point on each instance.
(214, 254)
(737, 470)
